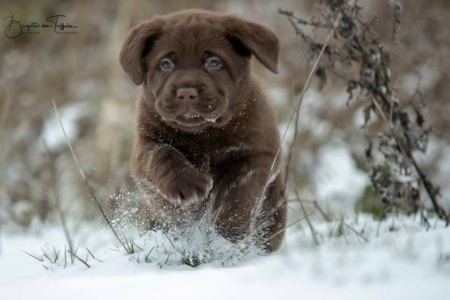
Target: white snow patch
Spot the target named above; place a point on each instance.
(438, 149)
(52, 133)
(426, 75)
(358, 117)
(313, 103)
(336, 179)
(400, 260)
(278, 96)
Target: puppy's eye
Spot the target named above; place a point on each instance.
(166, 64)
(213, 63)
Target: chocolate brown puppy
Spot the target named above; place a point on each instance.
(207, 140)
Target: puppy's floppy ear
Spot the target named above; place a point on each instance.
(136, 46)
(251, 38)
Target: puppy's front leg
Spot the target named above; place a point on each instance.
(167, 169)
(248, 202)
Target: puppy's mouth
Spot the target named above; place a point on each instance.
(190, 119)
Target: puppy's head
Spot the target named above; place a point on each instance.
(194, 64)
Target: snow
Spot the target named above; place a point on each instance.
(52, 134)
(439, 151)
(337, 181)
(426, 76)
(400, 260)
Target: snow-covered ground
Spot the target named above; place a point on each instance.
(394, 259)
(355, 258)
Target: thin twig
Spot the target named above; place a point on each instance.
(429, 188)
(331, 231)
(296, 109)
(285, 228)
(432, 192)
(324, 215)
(310, 225)
(358, 234)
(296, 112)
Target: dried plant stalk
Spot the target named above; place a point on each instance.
(357, 56)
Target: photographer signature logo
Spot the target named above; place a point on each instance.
(14, 28)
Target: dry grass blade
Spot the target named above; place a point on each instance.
(80, 259)
(61, 214)
(321, 211)
(44, 254)
(38, 258)
(296, 111)
(147, 256)
(7, 105)
(86, 181)
(65, 257)
(90, 253)
(358, 234)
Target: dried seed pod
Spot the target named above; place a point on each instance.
(346, 27)
(396, 6)
(375, 60)
(387, 71)
(368, 75)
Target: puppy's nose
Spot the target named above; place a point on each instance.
(187, 94)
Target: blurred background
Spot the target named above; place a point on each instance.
(96, 102)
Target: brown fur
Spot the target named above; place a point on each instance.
(207, 140)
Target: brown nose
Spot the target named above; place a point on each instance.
(187, 94)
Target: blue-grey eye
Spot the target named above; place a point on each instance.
(213, 63)
(166, 64)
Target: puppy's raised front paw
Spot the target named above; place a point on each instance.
(187, 187)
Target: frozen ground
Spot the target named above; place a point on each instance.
(399, 260)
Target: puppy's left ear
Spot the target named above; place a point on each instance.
(252, 38)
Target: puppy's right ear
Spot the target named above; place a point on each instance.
(136, 46)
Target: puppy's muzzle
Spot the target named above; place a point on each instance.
(191, 99)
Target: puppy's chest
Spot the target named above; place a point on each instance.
(208, 153)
